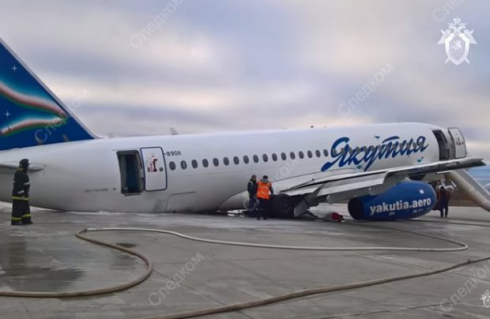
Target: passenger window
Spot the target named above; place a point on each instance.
(246, 159)
(205, 163)
(301, 155)
(236, 160)
(265, 158)
(216, 162)
(226, 161)
(284, 156)
(310, 154)
(194, 163)
(256, 159)
(172, 166)
(274, 157)
(292, 155)
(325, 152)
(318, 153)
(183, 164)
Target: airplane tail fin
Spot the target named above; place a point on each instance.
(30, 114)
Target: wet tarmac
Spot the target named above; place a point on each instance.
(48, 257)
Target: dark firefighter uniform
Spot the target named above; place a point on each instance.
(252, 193)
(443, 197)
(21, 211)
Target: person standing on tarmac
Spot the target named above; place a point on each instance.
(443, 197)
(264, 192)
(252, 195)
(21, 211)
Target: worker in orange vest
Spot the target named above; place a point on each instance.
(264, 192)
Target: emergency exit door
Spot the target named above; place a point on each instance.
(459, 143)
(155, 169)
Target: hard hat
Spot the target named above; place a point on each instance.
(24, 163)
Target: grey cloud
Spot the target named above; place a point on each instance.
(327, 49)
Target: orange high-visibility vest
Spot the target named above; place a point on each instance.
(263, 190)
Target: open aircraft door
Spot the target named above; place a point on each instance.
(155, 169)
(459, 142)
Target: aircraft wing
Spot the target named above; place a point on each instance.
(352, 184)
(11, 167)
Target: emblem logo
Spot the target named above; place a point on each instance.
(363, 157)
(457, 39)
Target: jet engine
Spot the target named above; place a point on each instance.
(404, 201)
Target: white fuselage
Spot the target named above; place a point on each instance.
(86, 175)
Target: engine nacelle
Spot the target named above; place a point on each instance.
(404, 201)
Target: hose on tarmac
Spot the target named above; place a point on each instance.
(310, 292)
(241, 306)
(94, 292)
(461, 245)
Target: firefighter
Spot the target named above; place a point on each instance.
(252, 195)
(264, 192)
(21, 212)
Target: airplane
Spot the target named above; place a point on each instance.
(382, 170)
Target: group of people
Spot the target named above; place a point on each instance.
(259, 193)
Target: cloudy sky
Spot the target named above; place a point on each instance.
(141, 67)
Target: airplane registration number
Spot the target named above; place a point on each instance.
(173, 153)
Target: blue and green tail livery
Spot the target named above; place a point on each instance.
(30, 114)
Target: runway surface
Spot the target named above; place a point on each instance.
(190, 275)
